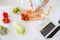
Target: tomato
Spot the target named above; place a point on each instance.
(5, 14)
(26, 18)
(6, 20)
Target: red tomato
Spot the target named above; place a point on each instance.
(5, 14)
(27, 18)
(6, 20)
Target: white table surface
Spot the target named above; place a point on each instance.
(31, 32)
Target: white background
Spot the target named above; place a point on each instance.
(30, 26)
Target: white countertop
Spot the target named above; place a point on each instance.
(31, 32)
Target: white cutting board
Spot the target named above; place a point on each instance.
(30, 26)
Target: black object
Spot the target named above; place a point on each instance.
(54, 32)
(47, 29)
(59, 21)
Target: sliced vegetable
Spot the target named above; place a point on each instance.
(24, 17)
(25, 14)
